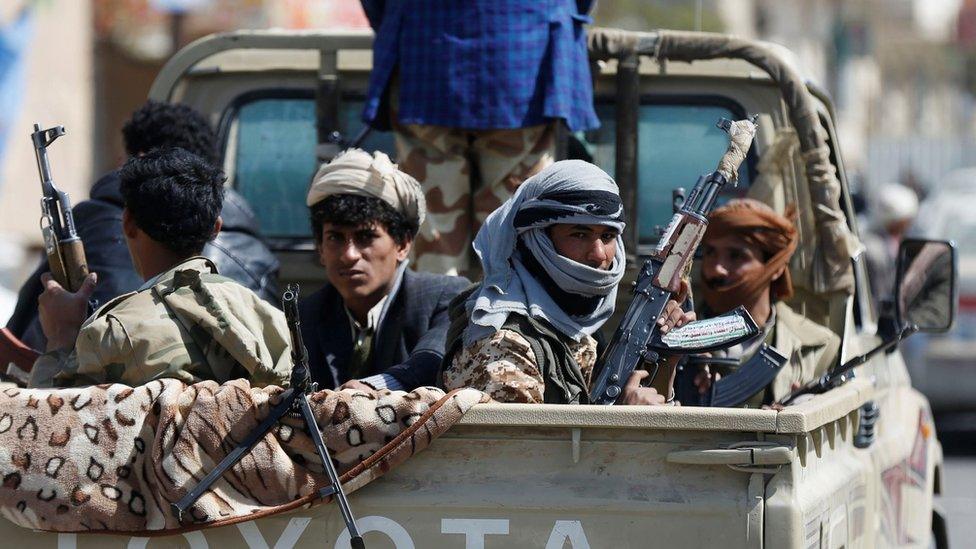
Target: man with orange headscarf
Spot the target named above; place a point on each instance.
(745, 261)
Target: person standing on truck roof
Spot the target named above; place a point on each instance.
(238, 250)
(746, 253)
(185, 321)
(375, 324)
(474, 92)
(553, 258)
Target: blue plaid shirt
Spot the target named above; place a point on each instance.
(481, 64)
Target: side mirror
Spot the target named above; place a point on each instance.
(927, 288)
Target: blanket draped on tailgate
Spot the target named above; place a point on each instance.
(112, 458)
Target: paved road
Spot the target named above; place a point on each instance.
(958, 437)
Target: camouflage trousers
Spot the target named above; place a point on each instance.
(466, 175)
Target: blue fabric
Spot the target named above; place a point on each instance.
(15, 38)
(481, 64)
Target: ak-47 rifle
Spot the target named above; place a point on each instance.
(293, 400)
(734, 388)
(65, 252)
(637, 338)
(64, 249)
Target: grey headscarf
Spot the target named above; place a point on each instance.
(569, 191)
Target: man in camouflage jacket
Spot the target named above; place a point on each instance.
(553, 258)
(187, 321)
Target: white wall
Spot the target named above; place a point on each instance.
(59, 91)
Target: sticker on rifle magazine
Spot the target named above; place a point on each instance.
(708, 332)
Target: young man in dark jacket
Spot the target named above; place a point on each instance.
(375, 324)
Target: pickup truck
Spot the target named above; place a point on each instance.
(858, 465)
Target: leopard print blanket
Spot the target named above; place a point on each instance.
(112, 458)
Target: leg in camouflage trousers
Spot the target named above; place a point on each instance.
(466, 175)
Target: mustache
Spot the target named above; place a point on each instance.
(717, 282)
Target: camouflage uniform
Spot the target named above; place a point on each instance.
(188, 323)
(504, 366)
(464, 170)
(812, 350)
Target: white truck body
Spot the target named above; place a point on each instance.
(588, 476)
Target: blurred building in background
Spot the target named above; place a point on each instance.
(902, 72)
(45, 77)
(134, 38)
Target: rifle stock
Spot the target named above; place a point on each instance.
(14, 351)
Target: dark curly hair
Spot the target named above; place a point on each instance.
(352, 210)
(165, 125)
(174, 196)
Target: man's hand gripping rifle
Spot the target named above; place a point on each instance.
(637, 338)
(65, 252)
(293, 400)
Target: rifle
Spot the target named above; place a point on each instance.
(335, 143)
(293, 400)
(64, 249)
(735, 387)
(843, 373)
(637, 338)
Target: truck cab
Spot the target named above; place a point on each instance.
(856, 466)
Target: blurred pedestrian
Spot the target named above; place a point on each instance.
(474, 92)
(893, 212)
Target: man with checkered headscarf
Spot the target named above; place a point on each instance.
(375, 324)
(553, 258)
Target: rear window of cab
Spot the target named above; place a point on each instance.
(270, 154)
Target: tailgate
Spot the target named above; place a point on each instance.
(592, 477)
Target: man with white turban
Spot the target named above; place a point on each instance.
(893, 212)
(375, 323)
(553, 258)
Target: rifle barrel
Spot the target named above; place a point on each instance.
(300, 376)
